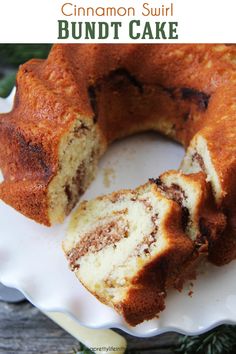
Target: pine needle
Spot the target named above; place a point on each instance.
(221, 340)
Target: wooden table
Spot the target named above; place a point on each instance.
(25, 330)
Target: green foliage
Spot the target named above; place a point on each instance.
(12, 55)
(16, 54)
(82, 350)
(7, 83)
(220, 340)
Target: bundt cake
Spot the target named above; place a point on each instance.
(70, 107)
(127, 248)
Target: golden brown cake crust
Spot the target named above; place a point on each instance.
(146, 299)
(179, 90)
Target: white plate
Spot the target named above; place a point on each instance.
(32, 261)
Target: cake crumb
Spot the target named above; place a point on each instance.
(190, 293)
(108, 176)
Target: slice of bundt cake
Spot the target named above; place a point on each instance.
(127, 248)
(202, 221)
(143, 241)
(213, 150)
(198, 159)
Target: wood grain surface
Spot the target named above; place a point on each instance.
(25, 330)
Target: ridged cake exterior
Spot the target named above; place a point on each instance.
(69, 107)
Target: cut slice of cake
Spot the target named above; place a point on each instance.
(218, 162)
(198, 158)
(127, 248)
(202, 222)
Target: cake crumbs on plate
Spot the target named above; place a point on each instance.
(190, 292)
(108, 176)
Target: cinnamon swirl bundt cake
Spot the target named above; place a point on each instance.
(70, 107)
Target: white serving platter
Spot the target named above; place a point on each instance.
(31, 258)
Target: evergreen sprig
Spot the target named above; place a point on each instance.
(11, 56)
(16, 54)
(220, 340)
(7, 83)
(82, 350)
